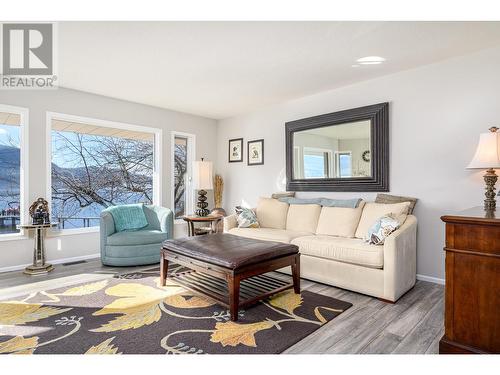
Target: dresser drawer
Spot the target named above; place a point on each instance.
(479, 238)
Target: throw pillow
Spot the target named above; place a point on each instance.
(128, 217)
(381, 229)
(388, 198)
(325, 202)
(283, 194)
(372, 211)
(246, 218)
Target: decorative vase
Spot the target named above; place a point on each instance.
(219, 211)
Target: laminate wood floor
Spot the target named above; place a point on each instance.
(414, 324)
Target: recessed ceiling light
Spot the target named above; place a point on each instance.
(370, 60)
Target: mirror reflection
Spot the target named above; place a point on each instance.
(337, 151)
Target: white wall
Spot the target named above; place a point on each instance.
(19, 252)
(436, 115)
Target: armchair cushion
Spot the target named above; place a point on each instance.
(139, 237)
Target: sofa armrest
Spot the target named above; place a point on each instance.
(230, 222)
(400, 260)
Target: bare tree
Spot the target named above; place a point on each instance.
(180, 170)
(10, 172)
(102, 171)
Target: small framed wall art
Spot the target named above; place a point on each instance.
(236, 150)
(255, 152)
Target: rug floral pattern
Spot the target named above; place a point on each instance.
(134, 314)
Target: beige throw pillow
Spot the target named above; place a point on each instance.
(303, 217)
(339, 221)
(271, 213)
(373, 211)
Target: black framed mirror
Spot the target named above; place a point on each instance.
(341, 151)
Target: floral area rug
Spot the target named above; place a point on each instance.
(133, 314)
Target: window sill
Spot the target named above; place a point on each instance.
(13, 237)
(70, 232)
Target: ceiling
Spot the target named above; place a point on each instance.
(221, 69)
(76, 127)
(9, 119)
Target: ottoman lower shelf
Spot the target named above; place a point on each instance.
(252, 290)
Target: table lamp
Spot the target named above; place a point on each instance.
(487, 157)
(203, 181)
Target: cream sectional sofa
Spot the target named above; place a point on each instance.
(330, 240)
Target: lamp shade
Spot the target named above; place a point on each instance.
(487, 155)
(202, 175)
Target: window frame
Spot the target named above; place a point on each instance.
(191, 156)
(23, 168)
(157, 158)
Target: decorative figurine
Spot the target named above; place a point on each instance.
(39, 212)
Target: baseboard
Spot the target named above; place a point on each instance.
(55, 261)
(430, 279)
(98, 255)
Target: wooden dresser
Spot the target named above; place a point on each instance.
(472, 306)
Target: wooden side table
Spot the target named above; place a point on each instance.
(211, 220)
(39, 266)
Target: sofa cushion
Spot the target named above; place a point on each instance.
(138, 237)
(339, 221)
(268, 234)
(348, 250)
(373, 211)
(271, 213)
(303, 217)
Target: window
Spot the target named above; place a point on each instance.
(317, 163)
(12, 149)
(182, 160)
(95, 167)
(344, 164)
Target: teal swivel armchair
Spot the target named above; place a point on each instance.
(138, 247)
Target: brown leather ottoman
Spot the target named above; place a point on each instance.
(233, 259)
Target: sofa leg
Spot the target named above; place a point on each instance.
(386, 301)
